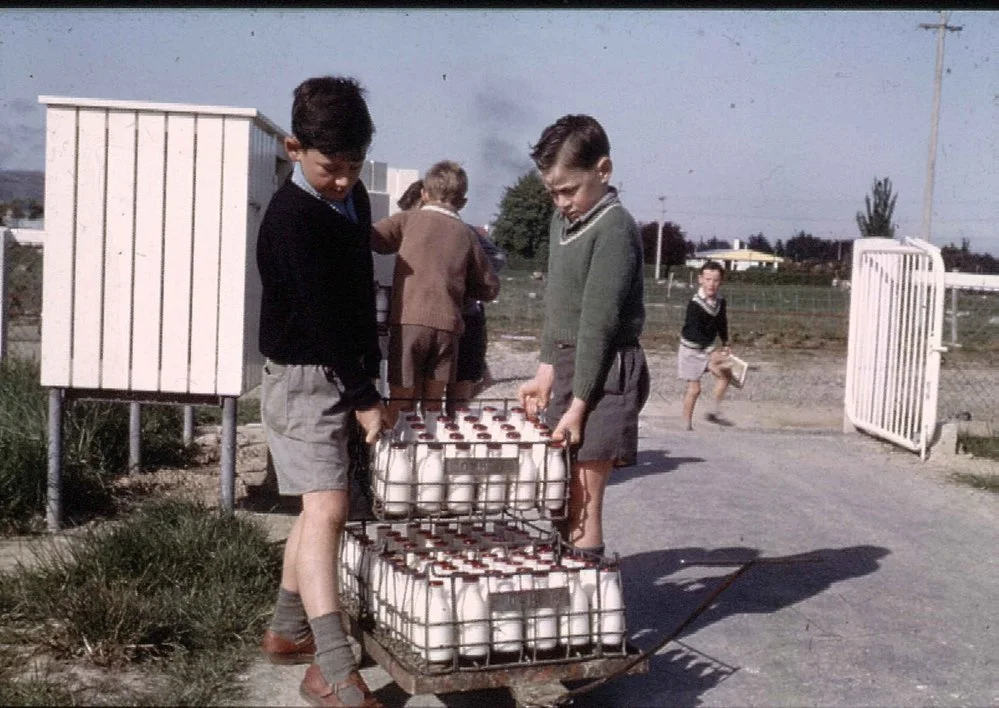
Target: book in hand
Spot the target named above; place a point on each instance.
(737, 369)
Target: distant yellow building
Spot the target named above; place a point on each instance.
(735, 258)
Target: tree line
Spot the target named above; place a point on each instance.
(525, 212)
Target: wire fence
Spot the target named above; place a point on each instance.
(21, 314)
(969, 369)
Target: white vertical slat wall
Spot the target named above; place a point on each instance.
(152, 211)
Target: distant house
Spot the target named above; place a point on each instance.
(735, 258)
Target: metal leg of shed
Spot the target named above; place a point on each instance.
(53, 510)
(188, 425)
(134, 437)
(228, 483)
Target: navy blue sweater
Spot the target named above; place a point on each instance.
(317, 305)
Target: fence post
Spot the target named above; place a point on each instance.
(4, 237)
(134, 437)
(953, 314)
(53, 490)
(188, 425)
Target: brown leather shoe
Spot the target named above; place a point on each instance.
(279, 650)
(317, 692)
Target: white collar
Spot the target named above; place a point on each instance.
(441, 210)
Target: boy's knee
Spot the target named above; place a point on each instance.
(328, 507)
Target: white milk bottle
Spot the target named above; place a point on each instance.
(473, 620)
(440, 625)
(555, 476)
(527, 479)
(399, 483)
(461, 486)
(611, 608)
(493, 492)
(430, 480)
(546, 623)
(575, 629)
(507, 628)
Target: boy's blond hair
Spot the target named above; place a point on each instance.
(446, 182)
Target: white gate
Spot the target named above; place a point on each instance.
(893, 354)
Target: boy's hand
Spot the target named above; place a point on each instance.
(374, 420)
(534, 394)
(572, 422)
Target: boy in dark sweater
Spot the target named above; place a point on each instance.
(319, 335)
(592, 375)
(706, 321)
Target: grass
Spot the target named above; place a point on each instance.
(176, 587)
(780, 316)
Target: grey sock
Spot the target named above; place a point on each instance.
(334, 655)
(290, 620)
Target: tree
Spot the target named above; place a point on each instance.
(714, 244)
(675, 245)
(877, 221)
(759, 242)
(525, 215)
(779, 249)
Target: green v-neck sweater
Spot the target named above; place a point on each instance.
(594, 297)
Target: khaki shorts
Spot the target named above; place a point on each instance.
(692, 363)
(418, 353)
(306, 423)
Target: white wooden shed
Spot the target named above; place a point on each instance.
(150, 283)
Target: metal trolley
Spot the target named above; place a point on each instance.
(391, 553)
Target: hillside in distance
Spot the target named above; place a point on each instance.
(26, 185)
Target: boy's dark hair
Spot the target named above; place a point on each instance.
(578, 141)
(713, 265)
(447, 182)
(412, 196)
(329, 114)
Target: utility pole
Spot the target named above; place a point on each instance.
(659, 241)
(940, 27)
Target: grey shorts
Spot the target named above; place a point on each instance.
(611, 428)
(418, 353)
(692, 363)
(306, 423)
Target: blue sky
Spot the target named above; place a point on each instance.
(747, 121)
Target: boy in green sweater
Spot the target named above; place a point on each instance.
(592, 377)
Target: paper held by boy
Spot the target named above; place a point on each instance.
(737, 368)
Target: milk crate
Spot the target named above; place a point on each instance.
(461, 596)
(486, 459)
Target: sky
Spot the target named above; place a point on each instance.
(746, 121)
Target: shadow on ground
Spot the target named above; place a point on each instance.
(651, 462)
(658, 605)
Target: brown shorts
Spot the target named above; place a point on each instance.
(611, 428)
(418, 353)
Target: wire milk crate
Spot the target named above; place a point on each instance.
(487, 458)
(445, 597)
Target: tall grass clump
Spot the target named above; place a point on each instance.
(94, 447)
(173, 575)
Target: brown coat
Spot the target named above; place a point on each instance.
(439, 263)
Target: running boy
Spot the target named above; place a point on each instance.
(592, 374)
(706, 321)
(319, 335)
(438, 266)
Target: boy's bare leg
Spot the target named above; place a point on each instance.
(722, 378)
(689, 400)
(313, 549)
(586, 502)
